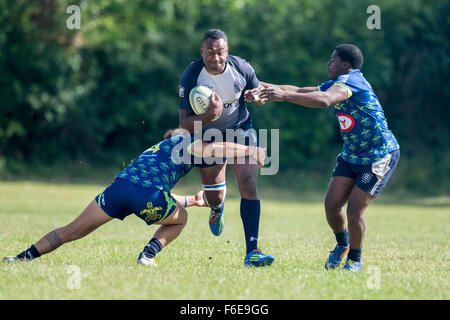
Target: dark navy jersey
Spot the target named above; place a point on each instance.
(229, 85)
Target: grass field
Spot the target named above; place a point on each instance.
(406, 252)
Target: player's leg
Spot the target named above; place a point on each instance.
(90, 219)
(169, 214)
(358, 202)
(370, 181)
(214, 187)
(246, 176)
(337, 195)
(341, 183)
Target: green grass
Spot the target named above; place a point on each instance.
(406, 251)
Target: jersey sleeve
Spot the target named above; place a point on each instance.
(324, 86)
(252, 80)
(343, 81)
(247, 72)
(188, 81)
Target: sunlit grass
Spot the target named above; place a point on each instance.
(405, 254)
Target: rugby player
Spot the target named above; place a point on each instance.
(143, 188)
(229, 76)
(370, 151)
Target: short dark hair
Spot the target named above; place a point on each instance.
(215, 34)
(351, 54)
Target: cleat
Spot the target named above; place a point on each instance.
(353, 266)
(335, 257)
(12, 259)
(216, 221)
(256, 258)
(142, 259)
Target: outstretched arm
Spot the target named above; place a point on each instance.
(190, 201)
(228, 150)
(255, 96)
(312, 99)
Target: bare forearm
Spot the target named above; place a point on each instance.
(183, 200)
(289, 88)
(229, 150)
(313, 99)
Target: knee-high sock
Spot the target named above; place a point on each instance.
(250, 212)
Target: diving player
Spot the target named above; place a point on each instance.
(228, 76)
(143, 188)
(370, 152)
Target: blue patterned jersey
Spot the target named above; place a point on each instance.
(162, 165)
(364, 129)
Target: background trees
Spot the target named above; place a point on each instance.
(102, 94)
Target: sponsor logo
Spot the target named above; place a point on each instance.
(366, 177)
(346, 122)
(181, 92)
(253, 239)
(103, 199)
(231, 104)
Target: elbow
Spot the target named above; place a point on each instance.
(324, 103)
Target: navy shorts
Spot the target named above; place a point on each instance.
(122, 198)
(371, 178)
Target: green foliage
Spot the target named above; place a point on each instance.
(103, 93)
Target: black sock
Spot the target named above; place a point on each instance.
(250, 213)
(342, 238)
(30, 254)
(354, 254)
(152, 248)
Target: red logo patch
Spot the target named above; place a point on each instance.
(346, 122)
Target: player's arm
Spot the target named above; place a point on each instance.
(187, 117)
(254, 95)
(312, 99)
(228, 150)
(287, 88)
(190, 201)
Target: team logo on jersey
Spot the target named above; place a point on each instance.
(151, 214)
(181, 92)
(154, 148)
(346, 122)
(237, 88)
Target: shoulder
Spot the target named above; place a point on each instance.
(240, 64)
(193, 70)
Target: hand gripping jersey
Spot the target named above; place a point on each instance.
(229, 85)
(363, 126)
(163, 165)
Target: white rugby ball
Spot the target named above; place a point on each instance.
(199, 99)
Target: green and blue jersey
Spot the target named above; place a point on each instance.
(363, 125)
(162, 165)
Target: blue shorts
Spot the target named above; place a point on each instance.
(122, 198)
(370, 178)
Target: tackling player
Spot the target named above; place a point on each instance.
(228, 76)
(370, 152)
(143, 188)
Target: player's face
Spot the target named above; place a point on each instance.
(214, 54)
(335, 66)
